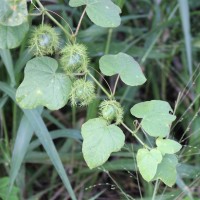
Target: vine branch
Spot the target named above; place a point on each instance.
(79, 23)
(134, 135)
(53, 19)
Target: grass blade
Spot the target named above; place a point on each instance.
(185, 18)
(65, 133)
(42, 133)
(7, 60)
(24, 135)
(45, 138)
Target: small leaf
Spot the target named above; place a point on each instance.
(167, 146)
(13, 13)
(101, 12)
(99, 141)
(12, 36)
(147, 162)
(124, 65)
(4, 183)
(42, 86)
(156, 117)
(166, 171)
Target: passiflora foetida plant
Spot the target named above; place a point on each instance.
(68, 78)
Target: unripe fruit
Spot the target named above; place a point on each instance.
(83, 92)
(44, 40)
(108, 112)
(74, 58)
(111, 110)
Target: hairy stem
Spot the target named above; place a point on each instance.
(79, 23)
(134, 135)
(100, 86)
(68, 35)
(115, 86)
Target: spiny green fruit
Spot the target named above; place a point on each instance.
(74, 58)
(83, 92)
(111, 110)
(44, 40)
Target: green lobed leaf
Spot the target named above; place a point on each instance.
(124, 65)
(13, 13)
(42, 86)
(156, 117)
(12, 36)
(99, 141)
(167, 146)
(166, 171)
(101, 12)
(4, 182)
(147, 162)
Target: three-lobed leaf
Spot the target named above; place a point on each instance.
(156, 117)
(124, 65)
(147, 162)
(13, 13)
(101, 12)
(43, 86)
(12, 36)
(99, 141)
(167, 146)
(166, 170)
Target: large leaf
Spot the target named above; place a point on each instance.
(124, 65)
(147, 162)
(166, 171)
(167, 146)
(156, 117)
(11, 37)
(99, 141)
(102, 12)
(13, 12)
(42, 86)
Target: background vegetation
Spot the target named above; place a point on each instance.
(164, 37)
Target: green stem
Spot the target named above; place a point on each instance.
(134, 135)
(115, 86)
(79, 23)
(68, 35)
(100, 86)
(155, 190)
(108, 41)
(5, 131)
(73, 116)
(14, 129)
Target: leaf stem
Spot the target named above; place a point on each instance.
(134, 135)
(115, 86)
(100, 86)
(108, 41)
(155, 189)
(79, 23)
(68, 35)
